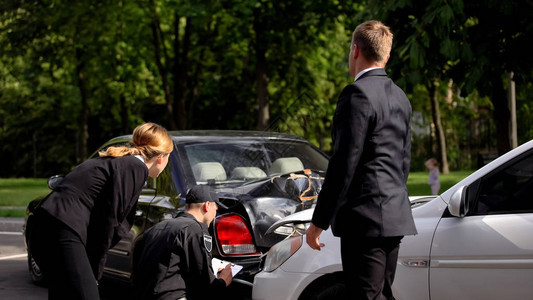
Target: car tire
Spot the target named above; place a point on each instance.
(325, 288)
(37, 276)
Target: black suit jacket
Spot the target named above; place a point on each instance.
(97, 200)
(365, 193)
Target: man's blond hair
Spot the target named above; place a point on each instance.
(374, 40)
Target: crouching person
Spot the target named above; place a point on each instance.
(173, 259)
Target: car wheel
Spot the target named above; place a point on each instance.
(325, 288)
(36, 274)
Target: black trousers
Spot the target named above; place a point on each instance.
(62, 257)
(369, 265)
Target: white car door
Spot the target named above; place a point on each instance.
(488, 254)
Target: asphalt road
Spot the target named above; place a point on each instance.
(15, 280)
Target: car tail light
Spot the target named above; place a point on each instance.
(233, 236)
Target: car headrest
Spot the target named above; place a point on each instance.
(209, 170)
(247, 173)
(286, 165)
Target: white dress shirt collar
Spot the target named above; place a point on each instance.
(364, 71)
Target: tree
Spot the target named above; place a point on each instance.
(63, 47)
(95, 69)
(424, 51)
(266, 39)
(494, 49)
(103, 67)
(458, 40)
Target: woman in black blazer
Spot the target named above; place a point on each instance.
(91, 210)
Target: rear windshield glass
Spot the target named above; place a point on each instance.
(251, 160)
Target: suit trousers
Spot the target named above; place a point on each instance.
(369, 265)
(62, 257)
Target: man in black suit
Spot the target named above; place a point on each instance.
(364, 197)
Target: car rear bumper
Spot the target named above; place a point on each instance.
(251, 266)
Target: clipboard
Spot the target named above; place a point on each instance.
(221, 264)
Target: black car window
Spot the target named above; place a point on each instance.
(507, 190)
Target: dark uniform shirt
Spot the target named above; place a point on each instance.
(97, 200)
(173, 260)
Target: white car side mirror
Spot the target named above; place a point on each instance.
(458, 205)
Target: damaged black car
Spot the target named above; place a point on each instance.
(260, 176)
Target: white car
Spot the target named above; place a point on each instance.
(475, 241)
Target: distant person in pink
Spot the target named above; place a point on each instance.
(433, 181)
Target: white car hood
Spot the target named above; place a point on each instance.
(305, 216)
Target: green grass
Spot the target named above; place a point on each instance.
(19, 192)
(12, 213)
(417, 183)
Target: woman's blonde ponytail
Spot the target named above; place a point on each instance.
(149, 140)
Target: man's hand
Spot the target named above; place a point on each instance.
(312, 235)
(225, 274)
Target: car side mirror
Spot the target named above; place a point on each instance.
(54, 181)
(458, 205)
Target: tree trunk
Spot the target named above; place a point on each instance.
(192, 85)
(501, 114)
(180, 72)
(159, 51)
(261, 74)
(124, 113)
(262, 95)
(84, 113)
(439, 132)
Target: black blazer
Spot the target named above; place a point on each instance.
(365, 193)
(97, 200)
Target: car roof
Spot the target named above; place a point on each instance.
(188, 136)
(213, 135)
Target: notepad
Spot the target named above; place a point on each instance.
(221, 264)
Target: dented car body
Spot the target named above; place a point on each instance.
(261, 177)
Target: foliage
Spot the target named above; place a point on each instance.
(74, 74)
(460, 40)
